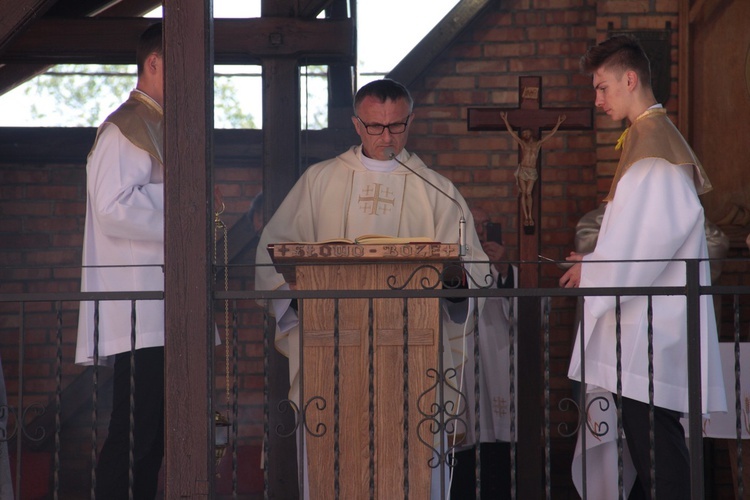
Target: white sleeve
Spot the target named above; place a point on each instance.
(126, 195)
(654, 211)
(286, 317)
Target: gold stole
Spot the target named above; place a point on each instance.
(653, 135)
(141, 120)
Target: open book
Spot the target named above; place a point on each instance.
(370, 239)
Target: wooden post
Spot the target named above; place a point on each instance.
(189, 335)
(530, 114)
(282, 167)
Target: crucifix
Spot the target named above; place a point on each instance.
(529, 116)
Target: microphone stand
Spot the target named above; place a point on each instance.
(462, 246)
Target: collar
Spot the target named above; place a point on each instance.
(655, 109)
(378, 165)
(146, 99)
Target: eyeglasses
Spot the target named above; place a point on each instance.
(377, 129)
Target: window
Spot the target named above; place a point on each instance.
(83, 95)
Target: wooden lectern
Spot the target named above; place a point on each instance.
(371, 432)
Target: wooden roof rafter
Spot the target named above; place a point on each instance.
(15, 17)
(311, 8)
(237, 41)
(68, 33)
(438, 40)
(12, 75)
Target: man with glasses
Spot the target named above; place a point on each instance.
(367, 190)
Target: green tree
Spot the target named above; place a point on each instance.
(80, 95)
(83, 95)
(314, 94)
(228, 111)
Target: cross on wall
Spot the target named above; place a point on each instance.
(531, 115)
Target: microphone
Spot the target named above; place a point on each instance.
(462, 246)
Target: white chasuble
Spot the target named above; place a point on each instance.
(348, 196)
(375, 205)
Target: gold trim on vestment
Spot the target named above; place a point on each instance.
(141, 120)
(653, 135)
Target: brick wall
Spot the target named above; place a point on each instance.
(41, 232)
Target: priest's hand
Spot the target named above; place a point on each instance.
(495, 251)
(572, 277)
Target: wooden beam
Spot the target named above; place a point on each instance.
(16, 74)
(281, 168)
(11, 76)
(437, 40)
(17, 15)
(39, 144)
(241, 41)
(280, 8)
(90, 8)
(232, 147)
(341, 76)
(189, 336)
(312, 8)
(126, 9)
(281, 125)
(79, 40)
(238, 41)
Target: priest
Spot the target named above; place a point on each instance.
(365, 191)
(377, 187)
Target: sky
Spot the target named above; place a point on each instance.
(384, 38)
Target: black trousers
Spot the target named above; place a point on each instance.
(148, 435)
(672, 458)
(494, 474)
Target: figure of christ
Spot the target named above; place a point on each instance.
(526, 173)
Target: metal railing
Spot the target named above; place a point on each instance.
(40, 419)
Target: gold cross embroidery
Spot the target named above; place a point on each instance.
(370, 201)
(500, 406)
